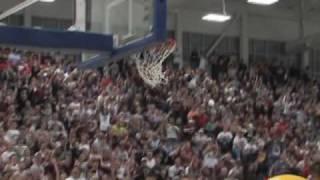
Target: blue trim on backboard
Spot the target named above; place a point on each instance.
(55, 39)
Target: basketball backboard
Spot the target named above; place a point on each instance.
(134, 25)
(129, 20)
(128, 26)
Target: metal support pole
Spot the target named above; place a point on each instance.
(27, 18)
(17, 8)
(130, 18)
(179, 39)
(81, 14)
(301, 19)
(305, 54)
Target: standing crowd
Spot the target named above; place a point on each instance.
(58, 122)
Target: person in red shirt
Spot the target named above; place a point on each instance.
(199, 116)
(105, 82)
(3, 65)
(3, 60)
(281, 127)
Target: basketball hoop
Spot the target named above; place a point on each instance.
(149, 62)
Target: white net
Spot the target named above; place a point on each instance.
(149, 62)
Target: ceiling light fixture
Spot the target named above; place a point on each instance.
(263, 2)
(48, 1)
(218, 17)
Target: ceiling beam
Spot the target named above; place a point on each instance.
(17, 8)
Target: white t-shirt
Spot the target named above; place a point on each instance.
(250, 148)
(173, 172)
(203, 63)
(155, 143)
(20, 149)
(193, 83)
(5, 156)
(12, 136)
(121, 172)
(104, 121)
(301, 116)
(210, 161)
(201, 139)
(73, 178)
(172, 132)
(150, 163)
(14, 58)
(239, 142)
(84, 147)
(260, 142)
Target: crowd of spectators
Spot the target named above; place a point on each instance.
(58, 122)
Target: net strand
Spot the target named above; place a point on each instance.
(149, 63)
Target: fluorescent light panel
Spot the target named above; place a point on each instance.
(49, 1)
(216, 17)
(263, 2)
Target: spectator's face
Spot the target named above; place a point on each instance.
(83, 156)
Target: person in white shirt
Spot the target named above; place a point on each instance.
(75, 174)
(176, 170)
(172, 132)
(203, 63)
(104, 119)
(149, 161)
(14, 57)
(12, 135)
(239, 143)
(210, 160)
(250, 152)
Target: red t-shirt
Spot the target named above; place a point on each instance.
(4, 65)
(26, 70)
(306, 170)
(200, 119)
(282, 127)
(105, 82)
